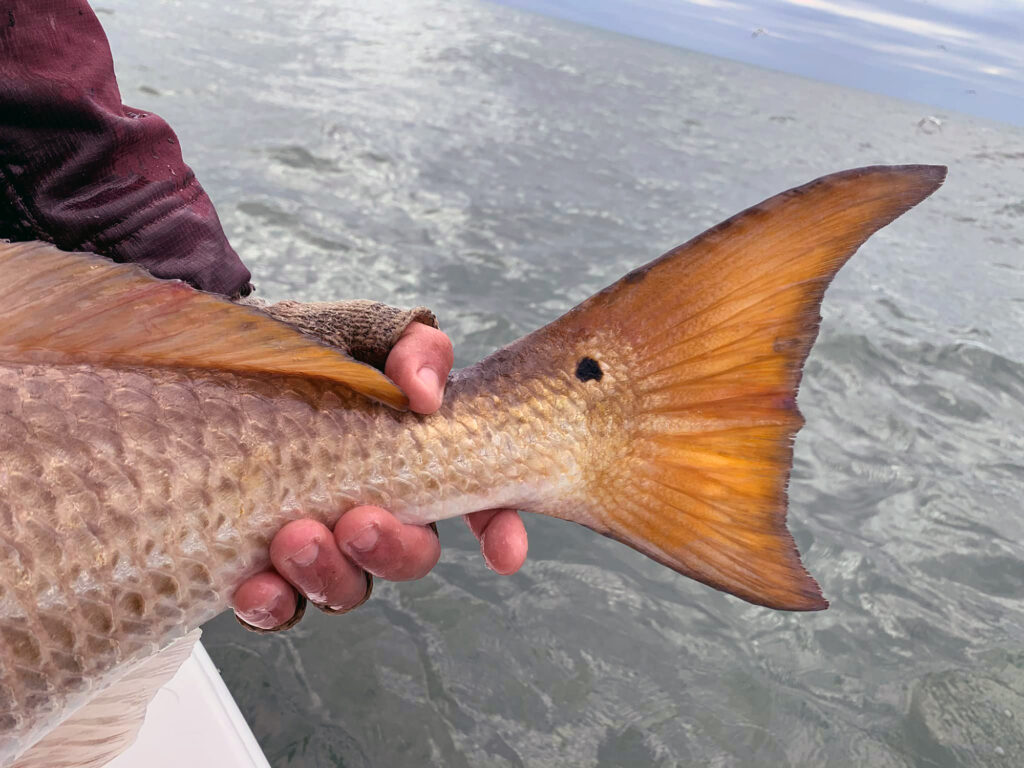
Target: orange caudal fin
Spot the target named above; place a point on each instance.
(715, 334)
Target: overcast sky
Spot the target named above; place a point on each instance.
(965, 55)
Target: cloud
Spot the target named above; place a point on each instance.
(897, 21)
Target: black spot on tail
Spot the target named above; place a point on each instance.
(588, 369)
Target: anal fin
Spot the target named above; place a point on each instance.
(110, 722)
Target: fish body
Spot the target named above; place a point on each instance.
(153, 439)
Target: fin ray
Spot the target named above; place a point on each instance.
(81, 307)
(109, 723)
(716, 333)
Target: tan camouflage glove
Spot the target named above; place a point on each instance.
(367, 330)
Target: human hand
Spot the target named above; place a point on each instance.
(330, 567)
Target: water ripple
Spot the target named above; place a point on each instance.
(500, 167)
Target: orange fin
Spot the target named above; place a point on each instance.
(85, 308)
(716, 333)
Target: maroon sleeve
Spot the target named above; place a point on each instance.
(81, 170)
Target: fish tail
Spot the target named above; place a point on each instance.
(704, 349)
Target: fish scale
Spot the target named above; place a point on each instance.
(156, 522)
(153, 439)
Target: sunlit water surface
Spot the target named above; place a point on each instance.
(501, 167)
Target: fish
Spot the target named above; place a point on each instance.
(154, 438)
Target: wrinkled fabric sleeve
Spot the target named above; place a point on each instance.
(81, 170)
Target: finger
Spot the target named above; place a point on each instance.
(419, 363)
(373, 539)
(502, 536)
(306, 554)
(265, 601)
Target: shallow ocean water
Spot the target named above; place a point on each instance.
(501, 167)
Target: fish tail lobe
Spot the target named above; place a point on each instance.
(707, 344)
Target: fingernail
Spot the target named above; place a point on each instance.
(429, 378)
(306, 555)
(366, 539)
(264, 612)
(487, 560)
(258, 618)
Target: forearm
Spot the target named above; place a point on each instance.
(85, 172)
(80, 169)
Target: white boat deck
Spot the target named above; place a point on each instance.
(193, 721)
